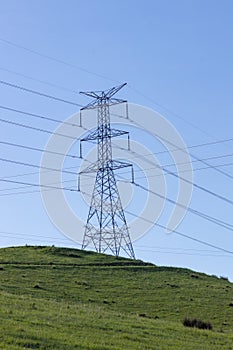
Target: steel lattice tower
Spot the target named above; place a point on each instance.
(106, 226)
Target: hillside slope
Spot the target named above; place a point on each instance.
(60, 298)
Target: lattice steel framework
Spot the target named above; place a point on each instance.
(106, 226)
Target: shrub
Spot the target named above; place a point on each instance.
(37, 286)
(224, 278)
(197, 323)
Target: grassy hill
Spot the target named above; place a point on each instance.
(57, 298)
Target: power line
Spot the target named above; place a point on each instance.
(36, 166)
(124, 172)
(5, 179)
(38, 185)
(189, 147)
(39, 80)
(9, 233)
(202, 159)
(38, 149)
(8, 42)
(210, 166)
(185, 171)
(207, 217)
(193, 211)
(36, 129)
(29, 192)
(138, 155)
(31, 239)
(170, 111)
(204, 216)
(26, 186)
(184, 179)
(202, 188)
(130, 213)
(167, 171)
(177, 148)
(37, 116)
(184, 253)
(181, 163)
(103, 77)
(57, 60)
(182, 234)
(28, 234)
(39, 93)
(77, 157)
(174, 231)
(70, 102)
(21, 175)
(172, 250)
(158, 175)
(72, 124)
(177, 248)
(198, 145)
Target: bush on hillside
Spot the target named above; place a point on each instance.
(197, 323)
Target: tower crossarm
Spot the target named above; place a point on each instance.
(116, 164)
(96, 134)
(103, 97)
(111, 165)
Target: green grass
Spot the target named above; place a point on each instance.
(57, 298)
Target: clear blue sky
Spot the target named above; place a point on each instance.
(177, 59)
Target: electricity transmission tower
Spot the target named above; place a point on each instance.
(106, 226)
